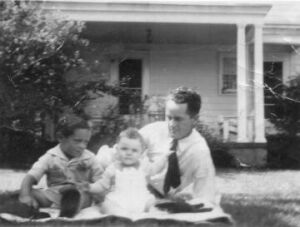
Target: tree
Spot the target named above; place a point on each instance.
(36, 49)
(283, 148)
(286, 116)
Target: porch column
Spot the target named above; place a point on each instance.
(259, 113)
(241, 84)
(114, 71)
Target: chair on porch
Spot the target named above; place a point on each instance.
(228, 128)
(156, 116)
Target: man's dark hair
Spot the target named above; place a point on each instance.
(183, 95)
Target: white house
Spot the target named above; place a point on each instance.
(225, 50)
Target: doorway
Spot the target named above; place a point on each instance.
(130, 77)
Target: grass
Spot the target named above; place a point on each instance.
(262, 198)
(253, 198)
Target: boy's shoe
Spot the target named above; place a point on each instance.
(70, 202)
(22, 210)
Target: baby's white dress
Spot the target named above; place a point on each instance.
(129, 194)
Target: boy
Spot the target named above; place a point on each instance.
(68, 163)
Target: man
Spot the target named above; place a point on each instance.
(189, 157)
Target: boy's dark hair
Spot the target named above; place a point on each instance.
(190, 97)
(68, 124)
(132, 133)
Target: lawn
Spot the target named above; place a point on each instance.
(253, 198)
(261, 198)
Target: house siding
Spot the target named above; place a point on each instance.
(194, 67)
(169, 66)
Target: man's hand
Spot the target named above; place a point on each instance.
(185, 196)
(180, 197)
(29, 201)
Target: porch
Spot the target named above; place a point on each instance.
(215, 48)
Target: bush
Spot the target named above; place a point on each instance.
(37, 47)
(219, 150)
(283, 151)
(286, 115)
(19, 149)
(106, 133)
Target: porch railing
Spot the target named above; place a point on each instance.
(228, 128)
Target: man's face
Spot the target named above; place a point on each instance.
(74, 145)
(180, 123)
(129, 151)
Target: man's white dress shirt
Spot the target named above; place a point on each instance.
(195, 163)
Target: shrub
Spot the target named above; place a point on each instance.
(283, 151)
(106, 131)
(20, 149)
(37, 48)
(219, 150)
(112, 123)
(286, 115)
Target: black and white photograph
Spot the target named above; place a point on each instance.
(150, 113)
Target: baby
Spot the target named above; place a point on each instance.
(124, 183)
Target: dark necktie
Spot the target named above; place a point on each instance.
(172, 178)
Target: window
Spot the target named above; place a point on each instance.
(130, 76)
(228, 74)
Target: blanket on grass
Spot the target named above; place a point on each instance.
(89, 217)
(12, 212)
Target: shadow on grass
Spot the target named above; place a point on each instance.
(255, 211)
